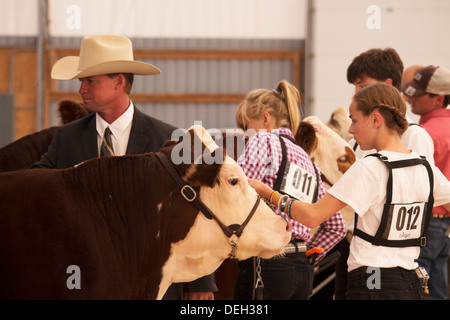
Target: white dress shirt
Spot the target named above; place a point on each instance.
(120, 130)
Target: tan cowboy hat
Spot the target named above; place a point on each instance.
(101, 54)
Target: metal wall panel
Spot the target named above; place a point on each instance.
(6, 41)
(202, 76)
(209, 115)
(6, 119)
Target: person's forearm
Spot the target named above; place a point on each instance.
(310, 215)
(303, 213)
(298, 210)
(262, 189)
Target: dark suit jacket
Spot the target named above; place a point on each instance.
(76, 142)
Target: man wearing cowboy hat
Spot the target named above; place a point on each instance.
(106, 69)
(429, 94)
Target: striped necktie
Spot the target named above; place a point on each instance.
(107, 149)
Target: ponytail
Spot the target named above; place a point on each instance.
(282, 103)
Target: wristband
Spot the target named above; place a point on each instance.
(271, 196)
(283, 203)
(288, 208)
(279, 202)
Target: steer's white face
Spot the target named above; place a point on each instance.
(206, 246)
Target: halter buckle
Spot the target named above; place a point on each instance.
(189, 197)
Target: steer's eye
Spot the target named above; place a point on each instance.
(233, 181)
(343, 159)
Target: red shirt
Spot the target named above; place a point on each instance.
(437, 124)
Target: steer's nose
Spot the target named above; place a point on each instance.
(288, 226)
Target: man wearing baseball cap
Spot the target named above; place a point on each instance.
(106, 69)
(429, 94)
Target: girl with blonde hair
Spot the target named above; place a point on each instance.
(281, 104)
(272, 157)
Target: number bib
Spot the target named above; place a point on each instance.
(402, 224)
(294, 180)
(299, 183)
(407, 221)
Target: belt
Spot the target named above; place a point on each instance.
(440, 215)
(356, 272)
(295, 247)
(363, 270)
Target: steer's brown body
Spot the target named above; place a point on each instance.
(101, 216)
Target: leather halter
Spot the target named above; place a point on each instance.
(190, 195)
(325, 179)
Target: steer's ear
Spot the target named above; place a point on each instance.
(169, 143)
(306, 137)
(205, 171)
(345, 162)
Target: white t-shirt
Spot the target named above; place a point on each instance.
(363, 187)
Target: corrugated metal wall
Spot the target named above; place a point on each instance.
(227, 76)
(6, 118)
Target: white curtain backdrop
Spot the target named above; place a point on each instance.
(242, 19)
(18, 17)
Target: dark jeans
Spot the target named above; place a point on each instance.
(384, 284)
(340, 283)
(434, 257)
(284, 278)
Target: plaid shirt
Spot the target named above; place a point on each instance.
(261, 160)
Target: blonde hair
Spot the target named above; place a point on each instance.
(388, 101)
(281, 103)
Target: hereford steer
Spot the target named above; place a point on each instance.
(326, 148)
(120, 227)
